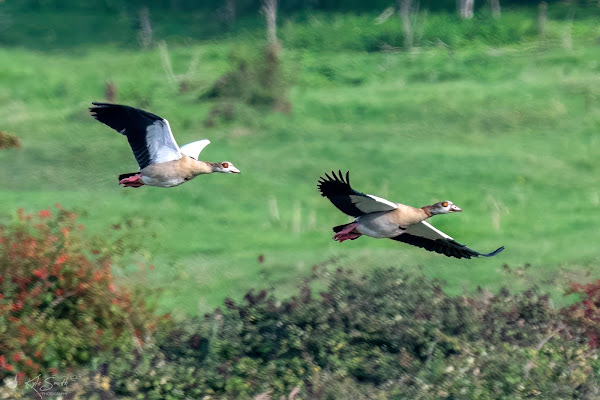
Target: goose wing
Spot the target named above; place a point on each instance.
(149, 135)
(348, 200)
(195, 148)
(424, 235)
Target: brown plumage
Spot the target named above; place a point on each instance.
(162, 163)
(380, 218)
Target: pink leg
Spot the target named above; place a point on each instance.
(132, 181)
(348, 233)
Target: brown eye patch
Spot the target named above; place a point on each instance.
(445, 204)
(225, 165)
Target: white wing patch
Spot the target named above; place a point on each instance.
(161, 143)
(195, 148)
(426, 230)
(370, 203)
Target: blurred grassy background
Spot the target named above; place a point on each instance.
(482, 112)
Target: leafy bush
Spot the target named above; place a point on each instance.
(585, 314)
(59, 304)
(387, 335)
(256, 79)
(7, 141)
(390, 334)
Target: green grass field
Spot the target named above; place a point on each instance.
(507, 131)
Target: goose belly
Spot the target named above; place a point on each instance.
(163, 175)
(162, 181)
(377, 225)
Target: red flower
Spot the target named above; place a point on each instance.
(58, 292)
(16, 357)
(44, 213)
(61, 260)
(41, 273)
(17, 306)
(29, 363)
(23, 331)
(8, 367)
(37, 354)
(2, 361)
(111, 287)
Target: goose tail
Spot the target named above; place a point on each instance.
(132, 179)
(123, 176)
(339, 228)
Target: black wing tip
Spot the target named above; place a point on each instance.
(493, 253)
(337, 177)
(445, 247)
(99, 106)
(333, 179)
(466, 252)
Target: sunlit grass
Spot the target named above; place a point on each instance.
(508, 134)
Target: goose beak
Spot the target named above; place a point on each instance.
(236, 171)
(455, 208)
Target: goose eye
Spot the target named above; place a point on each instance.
(445, 204)
(225, 165)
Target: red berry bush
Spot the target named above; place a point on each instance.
(59, 304)
(585, 314)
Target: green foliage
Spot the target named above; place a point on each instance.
(59, 304)
(361, 33)
(390, 334)
(257, 79)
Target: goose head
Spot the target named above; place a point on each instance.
(444, 207)
(225, 167)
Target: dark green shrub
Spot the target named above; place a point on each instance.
(387, 335)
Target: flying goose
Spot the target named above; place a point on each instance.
(162, 163)
(380, 218)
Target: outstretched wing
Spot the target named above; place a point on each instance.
(149, 135)
(348, 200)
(429, 238)
(195, 148)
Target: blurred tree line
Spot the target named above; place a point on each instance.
(245, 7)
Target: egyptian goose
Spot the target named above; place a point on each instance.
(162, 163)
(380, 218)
